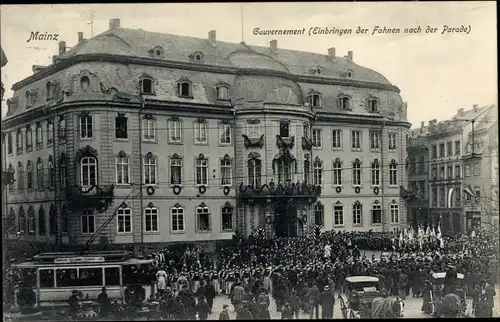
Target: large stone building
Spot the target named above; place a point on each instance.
(222, 131)
(442, 159)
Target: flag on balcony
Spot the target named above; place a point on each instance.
(438, 235)
(468, 190)
(450, 197)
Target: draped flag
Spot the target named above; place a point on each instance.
(439, 237)
(433, 232)
(401, 239)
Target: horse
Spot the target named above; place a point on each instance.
(386, 308)
(449, 306)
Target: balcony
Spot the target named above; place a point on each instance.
(292, 192)
(94, 197)
(417, 143)
(253, 142)
(285, 143)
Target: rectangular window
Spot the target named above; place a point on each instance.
(29, 140)
(284, 129)
(39, 174)
(225, 170)
(316, 138)
(392, 141)
(375, 174)
(449, 148)
(227, 218)
(434, 196)
(121, 130)
(112, 276)
(62, 129)
(458, 197)
(151, 219)
(457, 148)
(86, 127)
(441, 150)
(149, 129)
(450, 172)
(50, 133)
(122, 170)
(338, 215)
(29, 176)
(356, 140)
(89, 276)
(225, 134)
(88, 222)
(394, 209)
(477, 169)
(124, 220)
(150, 170)
(442, 197)
(374, 140)
(306, 130)
(177, 219)
(393, 175)
(19, 142)
(441, 172)
(46, 278)
(356, 174)
(200, 133)
(254, 172)
(176, 171)
(203, 218)
(307, 171)
(318, 172)
(434, 151)
(434, 173)
(62, 176)
(337, 139)
(253, 130)
(376, 214)
(9, 144)
(174, 131)
(467, 170)
(357, 214)
(201, 172)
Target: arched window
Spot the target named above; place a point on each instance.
(29, 139)
(375, 173)
(149, 128)
(204, 222)
(147, 86)
(394, 210)
(357, 213)
(22, 221)
(122, 168)
(376, 213)
(393, 173)
(50, 133)
(20, 176)
(52, 174)
(307, 171)
(150, 169)
(64, 219)
(319, 214)
(19, 141)
(254, 172)
(317, 172)
(151, 218)
(62, 128)
(344, 102)
(176, 170)
(222, 92)
(52, 220)
(227, 217)
(39, 173)
(88, 172)
(372, 104)
(39, 136)
(356, 173)
(177, 218)
(201, 170)
(124, 219)
(31, 220)
(184, 89)
(29, 175)
(337, 172)
(315, 100)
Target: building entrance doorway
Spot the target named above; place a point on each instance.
(285, 222)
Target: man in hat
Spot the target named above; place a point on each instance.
(104, 303)
(327, 300)
(314, 300)
(74, 307)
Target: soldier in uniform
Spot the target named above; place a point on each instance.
(229, 282)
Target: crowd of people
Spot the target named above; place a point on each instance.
(304, 273)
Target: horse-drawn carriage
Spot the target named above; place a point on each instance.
(452, 305)
(363, 300)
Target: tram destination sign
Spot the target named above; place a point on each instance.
(75, 260)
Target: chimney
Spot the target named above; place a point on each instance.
(114, 23)
(80, 37)
(212, 37)
(475, 107)
(274, 45)
(349, 55)
(331, 52)
(62, 48)
(422, 125)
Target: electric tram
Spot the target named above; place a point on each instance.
(49, 279)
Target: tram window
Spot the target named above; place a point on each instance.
(27, 277)
(46, 278)
(136, 274)
(112, 276)
(67, 277)
(90, 276)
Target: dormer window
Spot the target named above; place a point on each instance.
(30, 98)
(315, 100)
(184, 89)
(222, 92)
(317, 70)
(156, 52)
(147, 86)
(50, 90)
(344, 102)
(372, 104)
(197, 57)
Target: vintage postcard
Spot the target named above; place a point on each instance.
(250, 160)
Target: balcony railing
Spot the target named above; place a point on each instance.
(299, 190)
(93, 197)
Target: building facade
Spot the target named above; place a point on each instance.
(445, 173)
(220, 136)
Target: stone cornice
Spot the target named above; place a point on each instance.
(68, 62)
(305, 114)
(349, 119)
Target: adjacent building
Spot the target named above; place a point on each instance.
(452, 166)
(220, 136)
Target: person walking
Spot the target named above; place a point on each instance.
(224, 314)
(202, 308)
(314, 298)
(161, 277)
(295, 303)
(327, 300)
(287, 312)
(104, 303)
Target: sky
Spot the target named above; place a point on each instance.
(437, 73)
